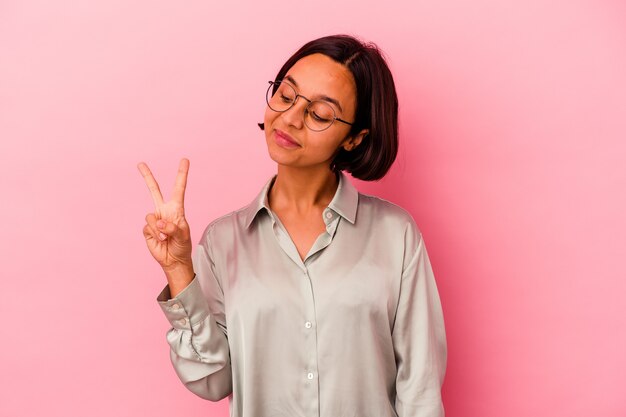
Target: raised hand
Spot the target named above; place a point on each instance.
(166, 231)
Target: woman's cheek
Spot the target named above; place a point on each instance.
(266, 118)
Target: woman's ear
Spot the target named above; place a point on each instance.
(353, 141)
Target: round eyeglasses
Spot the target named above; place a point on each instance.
(318, 115)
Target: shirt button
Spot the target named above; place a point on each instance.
(308, 324)
(175, 306)
(183, 321)
(310, 375)
(329, 215)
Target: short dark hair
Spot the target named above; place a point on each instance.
(377, 103)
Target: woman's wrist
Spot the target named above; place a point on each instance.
(179, 277)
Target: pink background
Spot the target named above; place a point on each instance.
(513, 132)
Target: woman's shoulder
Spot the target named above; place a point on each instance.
(386, 218)
(391, 213)
(224, 225)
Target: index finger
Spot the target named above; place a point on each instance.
(155, 192)
(181, 181)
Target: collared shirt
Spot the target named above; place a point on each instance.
(354, 330)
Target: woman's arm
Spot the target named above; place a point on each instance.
(198, 341)
(418, 335)
(198, 345)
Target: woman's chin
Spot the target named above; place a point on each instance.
(279, 154)
(280, 159)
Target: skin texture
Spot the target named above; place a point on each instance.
(304, 184)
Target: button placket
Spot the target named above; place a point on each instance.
(310, 337)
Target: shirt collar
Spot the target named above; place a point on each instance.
(344, 202)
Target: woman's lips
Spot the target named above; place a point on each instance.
(284, 140)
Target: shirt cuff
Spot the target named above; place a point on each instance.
(187, 309)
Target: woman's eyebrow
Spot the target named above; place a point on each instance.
(321, 97)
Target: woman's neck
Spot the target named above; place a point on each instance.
(302, 189)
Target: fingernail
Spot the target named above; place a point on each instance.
(162, 236)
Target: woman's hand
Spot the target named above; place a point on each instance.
(166, 231)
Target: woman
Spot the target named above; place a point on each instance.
(314, 299)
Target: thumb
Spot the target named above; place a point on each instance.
(170, 229)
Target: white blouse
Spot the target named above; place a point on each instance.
(354, 330)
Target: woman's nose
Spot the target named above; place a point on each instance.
(294, 116)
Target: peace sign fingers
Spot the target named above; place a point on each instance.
(181, 181)
(151, 183)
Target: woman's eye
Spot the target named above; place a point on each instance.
(286, 99)
(318, 118)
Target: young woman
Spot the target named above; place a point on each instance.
(314, 299)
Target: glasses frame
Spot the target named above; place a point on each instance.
(306, 109)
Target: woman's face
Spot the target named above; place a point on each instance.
(313, 76)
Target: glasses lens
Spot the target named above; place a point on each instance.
(319, 115)
(282, 99)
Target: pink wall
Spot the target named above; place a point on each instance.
(513, 134)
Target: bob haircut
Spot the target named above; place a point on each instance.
(376, 108)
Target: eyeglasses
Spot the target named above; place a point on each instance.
(318, 114)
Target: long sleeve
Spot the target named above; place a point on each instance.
(199, 348)
(419, 336)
